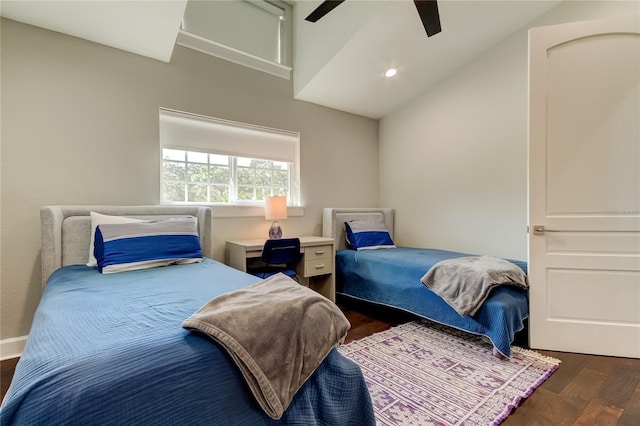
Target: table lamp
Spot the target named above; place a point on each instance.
(275, 208)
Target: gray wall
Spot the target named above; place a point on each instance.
(80, 126)
(453, 162)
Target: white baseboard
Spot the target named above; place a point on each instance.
(12, 348)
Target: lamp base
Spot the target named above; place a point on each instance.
(275, 231)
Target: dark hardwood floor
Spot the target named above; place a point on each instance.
(6, 373)
(585, 390)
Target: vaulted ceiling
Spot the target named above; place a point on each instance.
(339, 61)
(148, 28)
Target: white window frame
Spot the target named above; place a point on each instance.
(192, 132)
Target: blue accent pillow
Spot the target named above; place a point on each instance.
(367, 235)
(143, 245)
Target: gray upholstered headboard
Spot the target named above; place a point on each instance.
(66, 230)
(333, 220)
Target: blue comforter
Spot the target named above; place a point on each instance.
(392, 277)
(110, 349)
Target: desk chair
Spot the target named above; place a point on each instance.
(279, 255)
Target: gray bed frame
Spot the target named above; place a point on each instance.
(66, 230)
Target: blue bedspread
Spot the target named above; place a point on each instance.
(392, 277)
(110, 350)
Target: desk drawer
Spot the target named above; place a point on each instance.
(318, 252)
(315, 267)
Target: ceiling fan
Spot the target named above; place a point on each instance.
(427, 9)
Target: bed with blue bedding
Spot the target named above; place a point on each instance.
(111, 349)
(393, 277)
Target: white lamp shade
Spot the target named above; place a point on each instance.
(275, 208)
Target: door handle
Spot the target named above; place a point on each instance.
(540, 230)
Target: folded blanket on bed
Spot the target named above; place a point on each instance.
(465, 282)
(277, 332)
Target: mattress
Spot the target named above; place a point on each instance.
(391, 277)
(110, 349)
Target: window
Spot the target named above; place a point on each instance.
(258, 179)
(199, 177)
(254, 33)
(207, 160)
(254, 27)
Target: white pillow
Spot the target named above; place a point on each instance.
(103, 219)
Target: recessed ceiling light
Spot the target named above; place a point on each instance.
(390, 72)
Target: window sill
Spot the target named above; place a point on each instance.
(238, 211)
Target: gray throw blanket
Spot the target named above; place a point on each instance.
(277, 332)
(465, 282)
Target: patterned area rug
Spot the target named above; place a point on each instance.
(421, 373)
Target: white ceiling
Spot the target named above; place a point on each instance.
(339, 61)
(350, 75)
(144, 27)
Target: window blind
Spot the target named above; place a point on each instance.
(192, 132)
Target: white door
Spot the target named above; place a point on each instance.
(584, 187)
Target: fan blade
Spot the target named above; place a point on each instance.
(324, 8)
(428, 11)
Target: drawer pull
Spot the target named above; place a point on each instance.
(321, 266)
(319, 251)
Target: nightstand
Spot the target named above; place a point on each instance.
(315, 269)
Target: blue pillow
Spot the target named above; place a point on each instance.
(143, 245)
(367, 235)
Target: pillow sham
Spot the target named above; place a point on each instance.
(102, 219)
(368, 235)
(143, 245)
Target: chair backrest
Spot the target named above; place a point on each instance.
(282, 251)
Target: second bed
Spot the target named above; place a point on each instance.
(392, 277)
